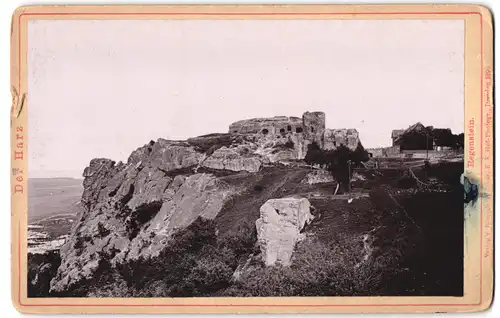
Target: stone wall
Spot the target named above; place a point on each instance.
(393, 151)
(333, 138)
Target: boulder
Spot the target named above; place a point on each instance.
(279, 227)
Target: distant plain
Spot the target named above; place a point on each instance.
(54, 204)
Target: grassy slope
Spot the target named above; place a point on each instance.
(269, 183)
(434, 259)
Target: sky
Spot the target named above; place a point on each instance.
(105, 88)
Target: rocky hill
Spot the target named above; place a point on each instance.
(229, 214)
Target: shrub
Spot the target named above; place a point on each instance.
(241, 240)
(318, 269)
(41, 269)
(195, 262)
(209, 275)
(114, 287)
(175, 261)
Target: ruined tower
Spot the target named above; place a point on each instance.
(314, 126)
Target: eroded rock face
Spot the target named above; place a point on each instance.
(131, 209)
(294, 147)
(231, 159)
(96, 176)
(199, 195)
(279, 226)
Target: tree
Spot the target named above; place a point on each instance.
(338, 161)
(458, 141)
(443, 137)
(316, 155)
(338, 165)
(359, 155)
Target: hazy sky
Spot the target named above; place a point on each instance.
(104, 88)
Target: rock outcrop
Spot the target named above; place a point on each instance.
(199, 195)
(279, 227)
(131, 209)
(230, 159)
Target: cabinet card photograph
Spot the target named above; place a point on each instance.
(252, 159)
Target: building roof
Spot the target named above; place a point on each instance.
(417, 126)
(397, 132)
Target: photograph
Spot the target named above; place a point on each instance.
(245, 158)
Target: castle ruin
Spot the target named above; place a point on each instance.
(302, 131)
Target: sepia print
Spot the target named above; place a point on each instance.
(233, 158)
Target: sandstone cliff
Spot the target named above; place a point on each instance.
(132, 208)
